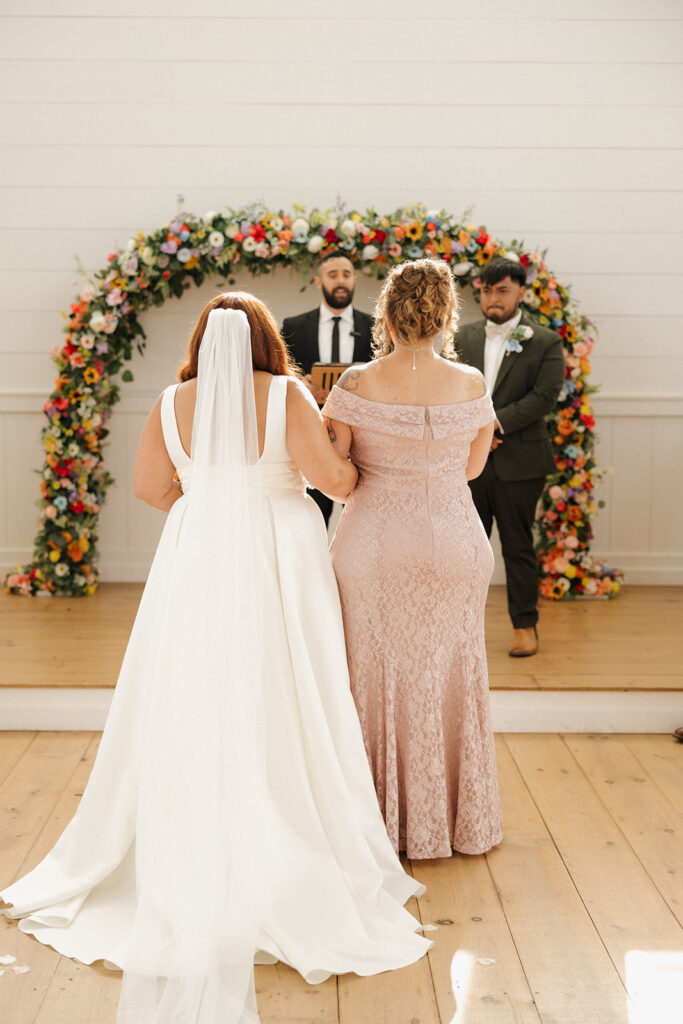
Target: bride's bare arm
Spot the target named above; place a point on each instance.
(311, 448)
(153, 477)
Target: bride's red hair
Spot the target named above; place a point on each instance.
(268, 350)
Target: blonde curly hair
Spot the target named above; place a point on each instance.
(421, 300)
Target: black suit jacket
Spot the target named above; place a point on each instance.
(525, 391)
(300, 334)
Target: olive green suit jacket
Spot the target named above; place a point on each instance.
(526, 390)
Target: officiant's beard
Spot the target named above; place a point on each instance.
(339, 298)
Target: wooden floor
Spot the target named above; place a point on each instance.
(634, 642)
(575, 919)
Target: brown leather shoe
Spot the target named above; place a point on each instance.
(525, 643)
(678, 733)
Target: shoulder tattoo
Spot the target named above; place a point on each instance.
(349, 380)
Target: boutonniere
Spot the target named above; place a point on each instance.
(521, 333)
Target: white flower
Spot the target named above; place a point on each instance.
(276, 223)
(87, 340)
(315, 243)
(73, 450)
(432, 215)
(61, 569)
(130, 245)
(148, 256)
(98, 321)
(262, 250)
(216, 239)
(509, 255)
(249, 245)
(183, 255)
(332, 222)
(232, 230)
(96, 419)
(526, 331)
(532, 299)
(301, 225)
(460, 269)
(79, 580)
(209, 216)
(348, 228)
(370, 251)
(87, 293)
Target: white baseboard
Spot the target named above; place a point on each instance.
(67, 709)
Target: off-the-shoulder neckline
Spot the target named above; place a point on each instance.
(399, 405)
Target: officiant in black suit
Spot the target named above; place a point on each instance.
(333, 332)
(523, 364)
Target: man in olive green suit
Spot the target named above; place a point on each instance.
(524, 368)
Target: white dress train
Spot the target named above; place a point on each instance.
(334, 892)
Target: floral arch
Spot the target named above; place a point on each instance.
(103, 326)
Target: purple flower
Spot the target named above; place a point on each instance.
(169, 247)
(126, 307)
(175, 227)
(102, 347)
(163, 261)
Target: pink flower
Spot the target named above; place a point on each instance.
(559, 564)
(50, 512)
(555, 492)
(580, 349)
(571, 542)
(87, 293)
(115, 297)
(395, 250)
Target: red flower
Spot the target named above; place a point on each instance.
(331, 236)
(482, 238)
(63, 468)
(62, 404)
(166, 274)
(257, 232)
(239, 237)
(111, 256)
(561, 506)
(524, 260)
(77, 507)
(587, 421)
(380, 236)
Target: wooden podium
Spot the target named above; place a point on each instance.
(326, 375)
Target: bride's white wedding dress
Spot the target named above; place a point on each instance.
(279, 848)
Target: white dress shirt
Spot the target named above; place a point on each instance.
(346, 338)
(497, 337)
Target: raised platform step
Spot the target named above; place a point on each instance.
(602, 666)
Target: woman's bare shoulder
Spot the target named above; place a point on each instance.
(467, 378)
(351, 379)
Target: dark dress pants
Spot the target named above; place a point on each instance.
(324, 504)
(512, 503)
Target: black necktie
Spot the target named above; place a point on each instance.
(335, 339)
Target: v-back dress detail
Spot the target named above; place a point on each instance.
(333, 893)
(413, 565)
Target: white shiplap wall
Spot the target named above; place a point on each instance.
(560, 125)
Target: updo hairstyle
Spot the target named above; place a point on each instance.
(421, 300)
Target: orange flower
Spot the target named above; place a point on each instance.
(399, 232)
(574, 514)
(565, 427)
(74, 551)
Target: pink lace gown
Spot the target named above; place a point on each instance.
(413, 565)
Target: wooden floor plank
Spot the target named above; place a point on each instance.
(394, 997)
(624, 904)
(13, 746)
(31, 791)
(571, 976)
(81, 994)
(462, 902)
(284, 997)
(631, 643)
(662, 759)
(647, 819)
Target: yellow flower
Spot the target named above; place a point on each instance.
(91, 375)
(570, 572)
(85, 544)
(50, 443)
(192, 262)
(385, 222)
(201, 234)
(90, 589)
(55, 556)
(615, 587)
(585, 581)
(463, 237)
(357, 217)
(575, 481)
(414, 230)
(141, 235)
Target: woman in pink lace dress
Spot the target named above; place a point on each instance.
(413, 565)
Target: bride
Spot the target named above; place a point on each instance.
(230, 816)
